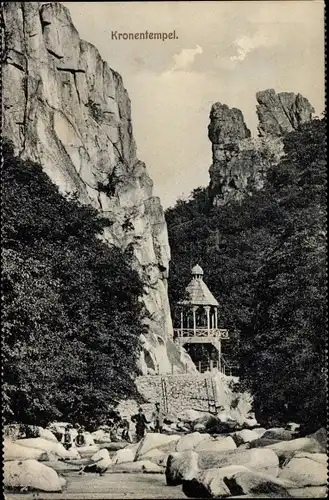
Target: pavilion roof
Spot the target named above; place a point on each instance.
(198, 294)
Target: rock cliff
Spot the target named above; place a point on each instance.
(281, 113)
(240, 162)
(65, 108)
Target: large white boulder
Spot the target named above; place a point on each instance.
(127, 454)
(217, 444)
(64, 466)
(47, 434)
(309, 492)
(181, 466)
(156, 456)
(279, 433)
(156, 440)
(101, 436)
(189, 415)
(250, 422)
(100, 462)
(306, 471)
(261, 460)
(102, 459)
(247, 435)
(50, 447)
(287, 448)
(14, 451)
(33, 475)
(236, 480)
(190, 441)
(88, 451)
(144, 466)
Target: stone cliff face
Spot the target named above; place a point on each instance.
(240, 162)
(281, 113)
(66, 109)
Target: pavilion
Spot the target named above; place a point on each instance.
(199, 318)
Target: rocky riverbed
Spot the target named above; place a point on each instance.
(250, 462)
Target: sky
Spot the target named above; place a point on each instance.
(225, 52)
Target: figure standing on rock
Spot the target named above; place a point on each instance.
(157, 418)
(67, 439)
(80, 440)
(141, 424)
(126, 436)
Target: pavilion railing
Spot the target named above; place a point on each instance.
(200, 332)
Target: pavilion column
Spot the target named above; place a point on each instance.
(194, 318)
(216, 317)
(207, 308)
(181, 319)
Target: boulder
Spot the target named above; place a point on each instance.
(47, 434)
(127, 454)
(144, 466)
(284, 449)
(102, 460)
(252, 482)
(199, 427)
(156, 456)
(181, 466)
(279, 433)
(100, 436)
(217, 444)
(245, 436)
(48, 446)
(320, 436)
(262, 460)
(235, 480)
(14, 451)
(170, 419)
(184, 426)
(321, 458)
(207, 421)
(250, 422)
(189, 416)
(88, 451)
(190, 441)
(261, 442)
(309, 492)
(63, 467)
(304, 471)
(32, 475)
(155, 440)
(115, 446)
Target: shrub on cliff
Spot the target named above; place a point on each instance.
(264, 260)
(71, 309)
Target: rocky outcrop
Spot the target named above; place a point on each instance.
(65, 108)
(240, 162)
(281, 113)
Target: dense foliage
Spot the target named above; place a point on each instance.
(265, 261)
(71, 309)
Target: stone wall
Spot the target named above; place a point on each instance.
(188, 391)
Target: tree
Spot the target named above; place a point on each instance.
(264, 260)
(72, 314)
